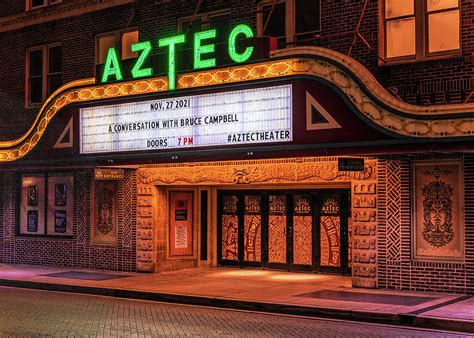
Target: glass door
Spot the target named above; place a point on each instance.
(285, 229)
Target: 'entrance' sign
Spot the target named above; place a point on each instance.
(350, 164)
(251, 116)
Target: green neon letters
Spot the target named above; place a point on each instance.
(234, 55)
(113, 66)
(203, 49)
(137, 70)
(171, 42)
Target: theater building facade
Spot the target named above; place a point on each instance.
(293, 159)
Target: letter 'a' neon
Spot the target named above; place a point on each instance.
(112, 66)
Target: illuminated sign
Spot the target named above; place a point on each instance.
(251, 116)
(109, 174)
(202, 54)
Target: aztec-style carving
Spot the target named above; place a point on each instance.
(230, 237)
(394, 207)
(437, 210)
(330, 240)
(365, 257)
(396, 120)
(274, 171)
(364, 243)
(252, 229)
(366, 271)
(292, 170)
(144, 228)
(439, 218)
(105, 210)
(362, 229)
(364, 215)
(277, 229)
(364, 202)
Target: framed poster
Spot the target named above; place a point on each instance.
(32, 205)
(438, 218)
(181, 220)
(104, 225)
(60, 204)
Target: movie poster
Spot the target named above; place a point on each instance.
(181, 224)
(60, 204)
(438, 219)
(32, 205)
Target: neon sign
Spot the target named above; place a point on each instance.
(239, 117)
(202, 54)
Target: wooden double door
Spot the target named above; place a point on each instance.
(285, 229)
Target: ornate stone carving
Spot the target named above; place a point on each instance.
(365, 201)
(363, 243)
(264, 171)
(241, 176)
(365, 229)
(367, 271)
(145, 228)
(368, 283)
(364, 215)
(364, 188)
(365, 257)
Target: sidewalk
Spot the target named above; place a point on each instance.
(257, 290)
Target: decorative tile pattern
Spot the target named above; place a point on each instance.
(80, 207)
(393, 196)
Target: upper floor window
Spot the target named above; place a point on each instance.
(43, 72)
(292, 22)
(121, 40)
(418, 29)
(33, 4)
(220, 21)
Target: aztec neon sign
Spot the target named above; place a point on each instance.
(201, 50)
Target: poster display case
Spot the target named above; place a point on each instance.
(181, 220)
(32, 205)
(60, 205)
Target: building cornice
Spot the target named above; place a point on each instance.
(56, 12)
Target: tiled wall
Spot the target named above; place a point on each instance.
(77, 251)
(397, 269)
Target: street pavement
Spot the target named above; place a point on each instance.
(25, 312)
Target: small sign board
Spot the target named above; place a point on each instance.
(109, 174)
(350, 164)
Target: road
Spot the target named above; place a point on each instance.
(30, 312)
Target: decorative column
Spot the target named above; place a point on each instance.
(364, 211)
(145, 252)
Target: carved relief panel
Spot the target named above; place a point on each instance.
(438, 220)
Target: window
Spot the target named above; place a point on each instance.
(121, 40)
(292, 22)
(418, 29)
(220, 21)
(33, 4)
(43, 73)
(46, 205)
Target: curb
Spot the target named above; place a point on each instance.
(319, 312)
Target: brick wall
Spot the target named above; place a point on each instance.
(424, 83)
(400, 271)
(77, 251)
